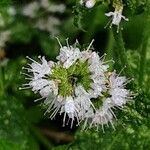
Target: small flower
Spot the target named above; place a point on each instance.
(83, 102)
(39, 70)
(102, 116)
(47, 23)
(119, 95)
(68, 55)
(4, 37)
(116, 17)
(31, 9)
(88, 3)
(52, 7)
(98, 69)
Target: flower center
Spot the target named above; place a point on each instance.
(68, 79)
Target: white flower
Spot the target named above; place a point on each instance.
(116, 17)
(119, 94)
(96, 90)
(97, 68)
(70, 110)
(31, 9)
(68, 55)
(59, 104)
(116, 81)
(39, 69)
(51, 88)
(97, 65)
(69, 105)
(49, 24)
(38, 84)
(51, 7)
(4, 37)
(85, 92)
(85, 55)
(88, 3)
(102, 116)
(83, 101)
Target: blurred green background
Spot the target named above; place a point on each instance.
(29, 27)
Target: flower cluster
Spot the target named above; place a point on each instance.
(6, 18)
(47, 21)
(79, 86)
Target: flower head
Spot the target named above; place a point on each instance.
(78, 86)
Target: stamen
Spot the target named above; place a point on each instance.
(36, 100)
(108, 23)
(75, 44)
(24, 88)
(112, 125)
(103, 57)
(90, 45)
(31, 59)
(64, 119)
(103, 128)
(59, 42)
(67, 42)
(121, 71)
(26, 74)
(72, 122)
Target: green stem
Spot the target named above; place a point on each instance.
(120, 51)
(143, 51)
(1, 81)
(41, 138)
(109, 47)
(143, 60)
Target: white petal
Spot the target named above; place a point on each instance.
(69, 105)
(109, 14)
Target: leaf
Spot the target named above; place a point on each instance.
(14, 129)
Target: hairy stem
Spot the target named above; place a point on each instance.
(121, 52)
(143, 52)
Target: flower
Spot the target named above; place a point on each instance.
(115, 95)
(78, 86)
(31, 9)
(68, 55)
(116, 17)
(4, 37)
(52, 7)
(88, 3)
(50, 21)
(119, 95)
(68, 81)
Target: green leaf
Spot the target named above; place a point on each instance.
(14, 129)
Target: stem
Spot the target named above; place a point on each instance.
(121, 51)
(109, 47)
(143, 53)
(1, 81)
(41, 138)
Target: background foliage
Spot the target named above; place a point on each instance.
(22, 124)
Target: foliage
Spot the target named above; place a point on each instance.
(22, 123)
